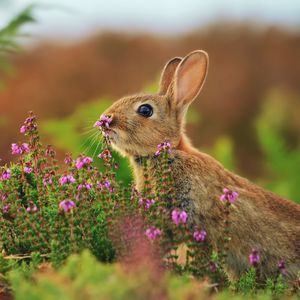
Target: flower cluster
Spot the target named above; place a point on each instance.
(83, 161)
(179, 216)
(29, 125)
(152, 233)
(199, 236)
(19, 149)
(105, 154)
(28, 168)
(66, 179)
(147, 202)
(66, 205)
(162, 147)
(229, 196)
(5, 175)
(103, 122)
(254, 258)
(105, 184)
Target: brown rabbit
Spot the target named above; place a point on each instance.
(259, 219)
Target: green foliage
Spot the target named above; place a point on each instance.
(247, 283)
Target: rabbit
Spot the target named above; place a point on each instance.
(259, 219)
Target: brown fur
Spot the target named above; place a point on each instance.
(259, 219)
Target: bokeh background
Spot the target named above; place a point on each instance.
(80, 56)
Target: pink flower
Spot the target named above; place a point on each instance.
(66, 179)
(66, 205)
(23, 129)
(199, 236)
(179, 216)
(105, 184)
(163, 146)
(105, 155)
(5, 175)
(32, 209)
(229, 195)
(103, 122)
(152, 233)
(47, 180)
(68, 160)
(83, 161)
(254, 258)
(28, 168)
(6, 208)
(16, 149)
(87, 186)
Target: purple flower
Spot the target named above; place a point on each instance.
(229, 195)
(199, 236)
(66, 205)
(87, 186)
(17, 149)
(149, 202)
(103, 122)
(179, 216)
(47, 180)
(105, 155)
(28, 168)
(254, 258)
(83, 161)
(68, 159)
(5, 175)
(282, 268)
(6, 208)
(66, 179)
(105, 184)
(23, 129)
(152, 233)
(212, 266)
(163, 146)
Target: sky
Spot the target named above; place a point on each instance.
(68, 19)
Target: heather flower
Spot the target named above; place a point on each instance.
(163, 146)
(254, 258)
(152, 233)
(212, 266)
(105, 155)
(66, 179)
(5, 175)
(6, 208)
(23, 129)
(66, 205)
(179, 216)
(49, 151)
(148, 203)
(199, 236)
(28, 125)
(83, 161)
(47, 180)
(28, 168)
(19, 149)
(103, 122)
(87, 186)
(32, 209)
(282, 268)
(68, 159)
(105, 184)
(229, 195)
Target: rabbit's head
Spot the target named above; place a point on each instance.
(140, 122)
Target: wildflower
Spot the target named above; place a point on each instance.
(87, 186)
(66, 205)
(68, 159)
(6, 208)
(199, 236)
(152, 233)
(23, 129)
(66, 179)
(254, 258)
(105, 155)
(28, 168)
(32, 209)
(212, 266)
(229, 195)
(163, 146)
(83, 161)
(105, 184)
(103, 122)
(47, 180)
(5, 175)
(3, 196)
(179, 216)
(149, 202)
(282, 268)
(50, 151)
(16, 149)
(29, 125)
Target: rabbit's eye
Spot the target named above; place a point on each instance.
(145, 110)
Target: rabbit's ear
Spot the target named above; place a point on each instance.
(189, 78)
(167, 74)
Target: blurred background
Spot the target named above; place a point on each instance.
(77, 57)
